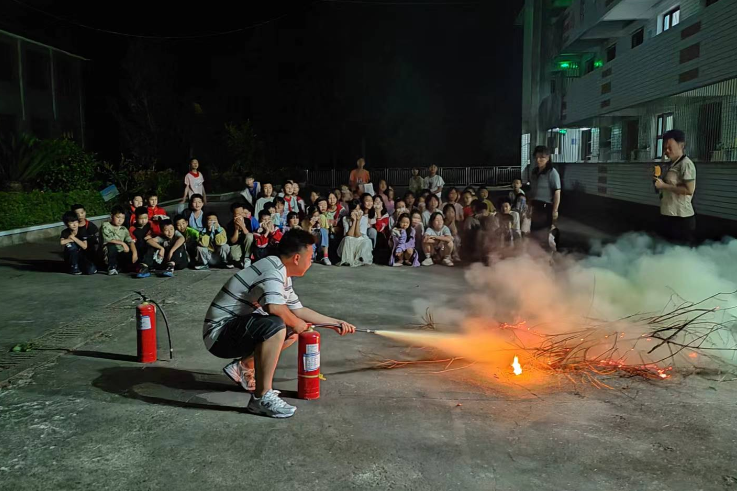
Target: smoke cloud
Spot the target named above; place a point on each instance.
(611, 290)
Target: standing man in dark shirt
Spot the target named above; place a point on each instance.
(544, 192)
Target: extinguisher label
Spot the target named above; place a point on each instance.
(312, 349)
(144, 323)
(311, 362)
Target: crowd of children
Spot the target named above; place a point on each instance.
(426, 226)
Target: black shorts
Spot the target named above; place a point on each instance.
(239, 336)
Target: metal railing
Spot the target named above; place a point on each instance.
(453, 176)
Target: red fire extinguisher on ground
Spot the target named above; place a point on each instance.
(146, 329)
(308, 380)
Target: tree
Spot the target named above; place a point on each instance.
(148, 109)
(244, 146)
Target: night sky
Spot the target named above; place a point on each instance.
(408, 84)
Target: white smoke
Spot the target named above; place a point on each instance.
(634, 276)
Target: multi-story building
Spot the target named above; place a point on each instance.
(604, 79)
(40, 89)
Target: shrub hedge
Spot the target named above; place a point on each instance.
(36, 207)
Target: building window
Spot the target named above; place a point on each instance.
(589, 65)
(664, 123)
(638, 37)
(671, 18)
(7, 62)
(611, 52)
(37, 68)
(586, 144)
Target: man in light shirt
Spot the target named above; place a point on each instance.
(676, 190)
(257, 314)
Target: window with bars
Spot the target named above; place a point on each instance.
(664, 123)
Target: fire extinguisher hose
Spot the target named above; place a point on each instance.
(166, 321)
(336, 327)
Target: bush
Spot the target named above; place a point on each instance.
(225, 182)
(72, 168)
(165, 183)
(22, 158)
(37, 208)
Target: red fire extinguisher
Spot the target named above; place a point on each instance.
(308, 383)
(146, 330)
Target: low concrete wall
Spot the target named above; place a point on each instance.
(39, 233)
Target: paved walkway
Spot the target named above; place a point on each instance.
(81, 414)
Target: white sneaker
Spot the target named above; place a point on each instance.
(246, 263)
(326, 261)
(447, 261)
(427, 261)
(112, 271)
(244, 377)
(270, 405)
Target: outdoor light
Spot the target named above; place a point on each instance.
(562, 131)
(564, 64)
(598, 64)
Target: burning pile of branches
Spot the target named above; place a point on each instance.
(642, 345)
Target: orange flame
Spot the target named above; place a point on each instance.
(517, 367)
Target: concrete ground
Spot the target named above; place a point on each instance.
(79, 413)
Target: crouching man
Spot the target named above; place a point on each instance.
(257, 314)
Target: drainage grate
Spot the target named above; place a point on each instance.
(12, 360)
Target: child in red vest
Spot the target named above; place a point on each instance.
(267, 237)
(155, 214)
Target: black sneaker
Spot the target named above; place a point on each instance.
(75, 271)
